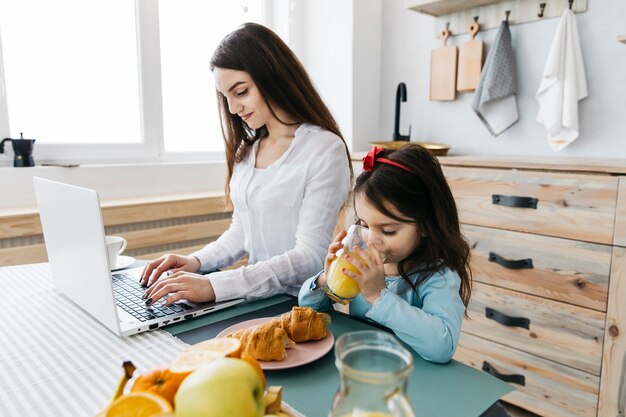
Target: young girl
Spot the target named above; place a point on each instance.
(422, 288)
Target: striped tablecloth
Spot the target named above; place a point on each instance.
(56, 360)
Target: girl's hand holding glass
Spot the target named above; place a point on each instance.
(370, 277)
(356, 265)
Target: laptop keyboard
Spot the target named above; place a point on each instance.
(128, 293)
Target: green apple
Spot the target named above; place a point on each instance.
(226, 387)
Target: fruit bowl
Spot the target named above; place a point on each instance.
(437, 149)
(210, 378)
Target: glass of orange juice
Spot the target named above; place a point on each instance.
(340, 287)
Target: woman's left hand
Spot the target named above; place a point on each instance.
(181, 286)
(371, 276)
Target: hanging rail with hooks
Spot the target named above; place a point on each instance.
(491, 12)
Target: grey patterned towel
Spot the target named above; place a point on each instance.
(494, 100)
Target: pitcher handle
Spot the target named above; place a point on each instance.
(398, 404)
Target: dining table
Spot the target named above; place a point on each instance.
(57, 360)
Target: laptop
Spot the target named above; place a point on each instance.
(74, 236)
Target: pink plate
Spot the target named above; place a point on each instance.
(301, 354)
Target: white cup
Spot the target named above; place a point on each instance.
(115, 247)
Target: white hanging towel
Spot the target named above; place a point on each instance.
(562, 85)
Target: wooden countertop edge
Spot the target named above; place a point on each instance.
(598, 165)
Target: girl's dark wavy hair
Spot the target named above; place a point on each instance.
(423, 196)
(282, 81)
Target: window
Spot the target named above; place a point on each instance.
(114, 79)
(190, 32)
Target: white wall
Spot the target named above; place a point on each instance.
(339, 42)
(408, 37)
(367, 32)
(321, 37)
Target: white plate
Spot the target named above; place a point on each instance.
(123, 262)
(301, 354)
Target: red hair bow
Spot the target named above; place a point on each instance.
(372, 158)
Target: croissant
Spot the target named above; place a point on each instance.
(303, 324)
(264, 342)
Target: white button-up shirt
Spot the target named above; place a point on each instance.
(283, 217)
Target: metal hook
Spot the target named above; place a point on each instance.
(447, 26)
(571, 3)
(476, 19)
(507, 13)
(542, 7)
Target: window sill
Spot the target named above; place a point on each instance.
(114, 181)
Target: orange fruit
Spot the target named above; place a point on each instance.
(163, 382)
(205, 352)
(256, 365)
(138, 404)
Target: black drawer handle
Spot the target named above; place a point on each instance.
(513, 378)
(511, 263)
(505, 320)
(514, 201)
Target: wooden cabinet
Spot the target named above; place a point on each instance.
(548, 311)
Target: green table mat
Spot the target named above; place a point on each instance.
(237, 310)
(450, 390)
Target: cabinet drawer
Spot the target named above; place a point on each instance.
(549, 389)
(564, 270)
(561, 332)
(574, 206)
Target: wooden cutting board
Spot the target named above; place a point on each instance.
(443, 71)
(470, 62)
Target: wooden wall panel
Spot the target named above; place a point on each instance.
(20, 233)
(28, 224)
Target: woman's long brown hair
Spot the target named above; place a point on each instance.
(282, 81)
(423, 196)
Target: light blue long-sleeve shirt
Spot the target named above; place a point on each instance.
(429, 321)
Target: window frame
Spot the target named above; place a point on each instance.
(151, 148)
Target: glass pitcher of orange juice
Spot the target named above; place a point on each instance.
(339, 287)
(374, 368)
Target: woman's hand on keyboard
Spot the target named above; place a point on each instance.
(168, 263)
(181, 286)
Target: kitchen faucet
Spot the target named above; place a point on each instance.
(400, 96)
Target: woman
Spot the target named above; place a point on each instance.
(289, 174)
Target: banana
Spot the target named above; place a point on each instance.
(129, 369)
